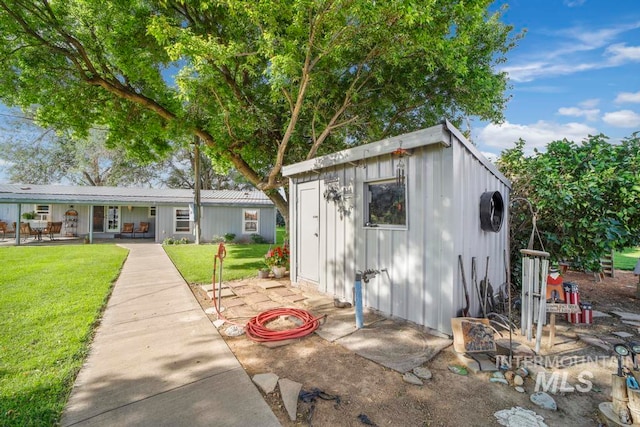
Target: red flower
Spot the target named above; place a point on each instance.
(277, 257)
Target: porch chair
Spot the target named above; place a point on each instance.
(142, 229)
(26, 231)
(127, 228)
(4, 229)
(53, 228)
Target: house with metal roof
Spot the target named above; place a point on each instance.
(101, 212)
(412, 216)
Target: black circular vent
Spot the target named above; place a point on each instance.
(491, 211)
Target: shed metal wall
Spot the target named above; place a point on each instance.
(471, 181)
(420, 280)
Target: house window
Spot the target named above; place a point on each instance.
(43, 212)
(387, 204)
(181, 220)
(152, 212)
(250, 221)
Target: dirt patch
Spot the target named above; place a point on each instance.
(367, 389)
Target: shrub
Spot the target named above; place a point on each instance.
(218, 239)
(172, 241)
(229, 237)
(257, 238)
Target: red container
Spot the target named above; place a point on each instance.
(587, 312)
(572, 296)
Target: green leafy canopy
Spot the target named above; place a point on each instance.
(586, 196)
(262, 83)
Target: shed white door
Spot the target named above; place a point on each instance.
(308, 230)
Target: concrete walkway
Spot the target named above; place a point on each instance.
(157, 360)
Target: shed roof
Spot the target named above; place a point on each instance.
(27, 193)
(439, 134)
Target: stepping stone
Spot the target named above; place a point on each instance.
(596, 313)
(271, 284)
(245, 290)
(226, 291)
(423, 373)
(632, 323)
(266, 382)
(283, 292)
(267, 305)
(544, 401)
(255, 298)
(622, 334)
(627, 316)
(519, 417)
(408, 377)
(218, 323)
(233, 302)
(289, 390)
(295, 298)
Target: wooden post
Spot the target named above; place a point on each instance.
(552, 329)
(619, 397)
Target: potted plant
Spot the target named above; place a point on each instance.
(277, 259)
(29, 215)
(263, 273)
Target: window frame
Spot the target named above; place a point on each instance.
(183, 218)
(367, 205)
(151, 213)
(43, 214)
(246, 221)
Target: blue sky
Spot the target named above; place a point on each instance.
(576, 72)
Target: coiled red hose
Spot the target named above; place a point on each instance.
(257, 331)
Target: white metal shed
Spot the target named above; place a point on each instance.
(407, 206)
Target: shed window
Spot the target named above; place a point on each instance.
(386, 204)
(152, 212)
(181, 220)
(250, 221)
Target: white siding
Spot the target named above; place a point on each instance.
(420, 279)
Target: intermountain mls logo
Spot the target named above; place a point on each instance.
(558, 380)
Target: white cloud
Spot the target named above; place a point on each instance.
(620, 53)
(623, 119)
(590, 115)
(589, 103)
(567, 56)
(537, 135)
(532, 71)
(574, 3)
(627, 97)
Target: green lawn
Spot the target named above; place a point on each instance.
(50, 299)
(195, 262)
(627, 259)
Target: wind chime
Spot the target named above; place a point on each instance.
(400, 166)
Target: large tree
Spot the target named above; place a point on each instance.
(44, 156)
(586, 198)
(261, 83)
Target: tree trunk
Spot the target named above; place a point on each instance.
(282, 205)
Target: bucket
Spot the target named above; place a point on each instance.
(634, 404)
